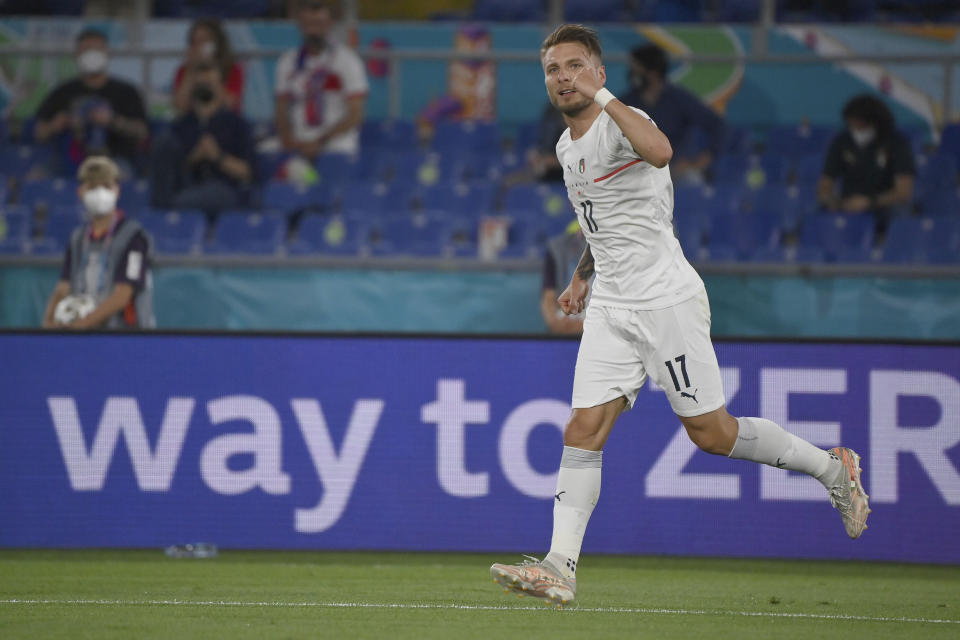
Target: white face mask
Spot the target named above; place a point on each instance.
(862, 137)
(208, 50)
(92, 61)
(100, 201)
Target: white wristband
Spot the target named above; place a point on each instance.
(603, 97)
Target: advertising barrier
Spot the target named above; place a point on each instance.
(335, 442)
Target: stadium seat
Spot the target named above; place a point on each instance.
(950, 142)
(740, 236)
(509, 10)
(473, 135)
(526, 238)
(593, 10)
(134, 196)
(173, 231)
(412, 168)
(798, 140)
(56, 227)
(341, 235)
(20, 161)
(922, 241)
(805, 169)
(376, 200)
(53, 192)
(786, 205)
(545, 200)
(838, 235)
(388, 135)
(944, 201)
(419, 235)
(288, 198)
(14, 228)
(243, 232)
(688, 224)
(462, 199)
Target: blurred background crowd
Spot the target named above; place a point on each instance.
(354, 130)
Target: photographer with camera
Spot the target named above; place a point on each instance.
(206, 159)
(93, 113)
(105, 280)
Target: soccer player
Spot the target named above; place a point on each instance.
(648, 316)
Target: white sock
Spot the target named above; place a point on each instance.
(578, 489)
(762, 440)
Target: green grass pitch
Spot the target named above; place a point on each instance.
(144, 594)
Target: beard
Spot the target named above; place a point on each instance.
(572, 109)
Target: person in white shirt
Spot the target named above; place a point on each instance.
(648, 316)
(321, 89)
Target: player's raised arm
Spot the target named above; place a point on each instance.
(647, 140)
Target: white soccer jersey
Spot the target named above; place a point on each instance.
(625, 208)
(318, 87)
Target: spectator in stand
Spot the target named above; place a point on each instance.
(93, 113)
(695, 130)
(872, 161)
(107, 259)
(206, 159)
(563, 253)
(321, 89)
(208, 42)
(541, 161)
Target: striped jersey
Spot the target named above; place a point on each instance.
(625, 208)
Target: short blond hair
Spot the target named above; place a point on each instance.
(574, 33)
(98, 170)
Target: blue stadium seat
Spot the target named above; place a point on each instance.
(805, 169)
(332, 235)
(784, 204)
(173, 231)
(950, 142)
(509, 10)
(526, 238)
(541, 199)
(923, 241)
(56, 227)
(465, 165)
(14, 228)
(838, 235)
(134, 196)
(248, 233)
(688, 225)
(935, 173)
(791, 255)
(21, 160)
(388, 135)
(283, 196)
(944, 201)
(473, 135)
(412, 168)
(336, 168)
(740, 236)
(378, 199)
(594, 10)
(413, 235)
(796, 140)
(461, 236)
(52, 192)
(463, 199)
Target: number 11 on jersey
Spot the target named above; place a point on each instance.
(587, 207)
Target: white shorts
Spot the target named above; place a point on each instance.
(621, 347)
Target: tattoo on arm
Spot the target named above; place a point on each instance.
(585, 266)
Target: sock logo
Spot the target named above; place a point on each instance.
(572, 565)
(558, 495)
(780, 464)
(692, 396)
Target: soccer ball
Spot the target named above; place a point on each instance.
(73, 307)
